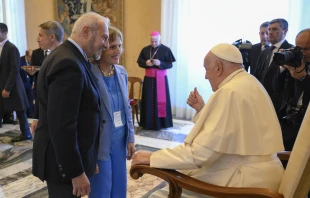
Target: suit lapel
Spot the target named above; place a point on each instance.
(84, 62)
(0, 61)
(259, 50)
(264, 58)
(272, 65)
(121, 79)
(284, 45)
(3, 52)
(104, 95)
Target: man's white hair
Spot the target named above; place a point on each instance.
(90, 19)
(158, 36)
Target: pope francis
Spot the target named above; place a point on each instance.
(236, 134)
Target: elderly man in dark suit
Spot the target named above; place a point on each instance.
(13, 94)
(266, 69)
(258, 47)
(65, 146)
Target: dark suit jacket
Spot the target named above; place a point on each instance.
(37, 57)
(291, 90)
(66, 140)
(36, 60)
(269, 76)
(10, 79)
(253, 56)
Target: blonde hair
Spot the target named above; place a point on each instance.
(114, 33)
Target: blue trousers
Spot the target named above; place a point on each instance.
(111, 182)
(23, 121)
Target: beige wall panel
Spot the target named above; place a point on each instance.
(37, 12)
(140, 18)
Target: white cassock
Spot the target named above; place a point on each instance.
(234, 140)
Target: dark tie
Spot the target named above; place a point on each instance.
(266, 64)
(45, 54)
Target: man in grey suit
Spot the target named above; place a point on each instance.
(65, 146)
(50, 36)
(13, 94)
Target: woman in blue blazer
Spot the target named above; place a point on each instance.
(117, 131)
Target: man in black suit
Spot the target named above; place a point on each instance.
(258, 47)
(294, 84)
(8, 117)
(66, 142)
(13, 94)
(50, 36)
(27, 80)
(266, 69)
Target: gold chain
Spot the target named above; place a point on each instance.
(107, 74)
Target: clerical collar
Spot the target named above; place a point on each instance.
(154, 48)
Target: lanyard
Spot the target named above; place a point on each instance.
(151, 57)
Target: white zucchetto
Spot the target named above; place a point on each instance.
(227, 52)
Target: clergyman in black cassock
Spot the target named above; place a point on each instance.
(155, 112)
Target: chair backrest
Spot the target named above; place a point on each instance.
(296, 179)
(135, 87)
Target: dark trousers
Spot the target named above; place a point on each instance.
(23, 121)
(289, 135)
(29, 93)
(8, 117)
(60, 190)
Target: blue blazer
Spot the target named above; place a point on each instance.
(107, 127)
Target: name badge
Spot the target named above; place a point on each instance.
(117, 119)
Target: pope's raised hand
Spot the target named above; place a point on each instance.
(195, 100)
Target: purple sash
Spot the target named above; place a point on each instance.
(160, 89)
